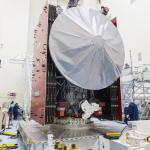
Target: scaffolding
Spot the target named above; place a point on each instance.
(136, 87)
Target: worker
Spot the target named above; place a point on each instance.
(10, 111)
(126, 113)
(104, 10)
(133, 111)
(72, 3)
(16, 111)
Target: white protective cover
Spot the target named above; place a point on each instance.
(86, 48)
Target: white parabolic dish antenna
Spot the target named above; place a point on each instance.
(86, 48)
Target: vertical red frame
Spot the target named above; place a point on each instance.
(39, 68)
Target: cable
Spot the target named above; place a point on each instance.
(123, 131)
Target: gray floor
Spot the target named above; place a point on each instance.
(8, 140)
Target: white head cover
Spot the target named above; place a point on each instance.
(86, 48)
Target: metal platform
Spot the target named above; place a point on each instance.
(62, 132)
(34, 134)
(39, 133)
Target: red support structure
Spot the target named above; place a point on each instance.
(39, 68)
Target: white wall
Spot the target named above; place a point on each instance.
(13, 35)
(18, 20)
(134, 26)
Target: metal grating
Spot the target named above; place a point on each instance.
(50, 104)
